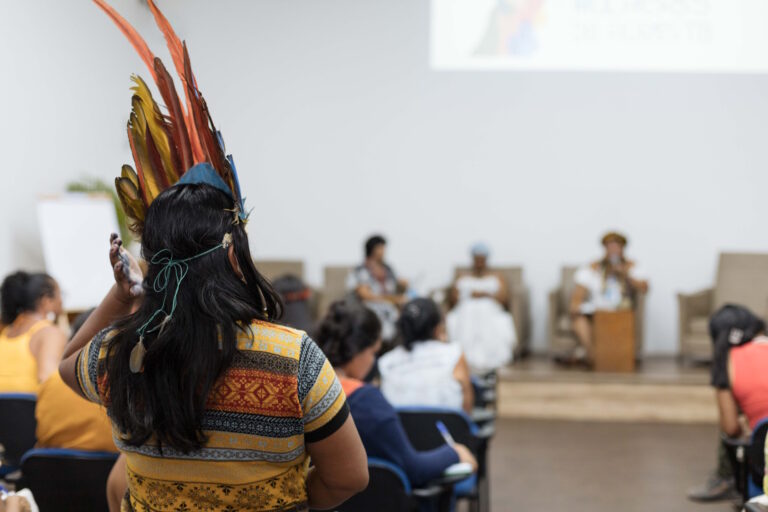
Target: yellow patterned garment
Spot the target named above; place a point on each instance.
(279, 393)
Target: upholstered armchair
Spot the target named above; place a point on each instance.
(742, 278)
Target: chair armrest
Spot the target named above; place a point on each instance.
(755, 507)
(734, 442)
(554, 305)
(697, 303)
(486, 431)
(482, 416)
(427, 492)
(438, 486)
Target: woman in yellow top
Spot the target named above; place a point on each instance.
(67, 420)
(30, 344)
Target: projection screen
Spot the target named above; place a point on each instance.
(709, 36)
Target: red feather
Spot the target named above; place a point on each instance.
(135, 39)
(176, 122)
(208, 141)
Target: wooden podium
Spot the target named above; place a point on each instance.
(614, 341)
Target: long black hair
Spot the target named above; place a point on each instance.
(347, 330)
(418, 321)
(183, 360)
(21, 293)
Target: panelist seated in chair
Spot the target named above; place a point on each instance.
(30, 344)
(478, 322)
(350, 336)
(609, 284)
(67, 420)
(378, 287)
(426, 370)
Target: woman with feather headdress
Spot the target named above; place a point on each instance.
(213, 405)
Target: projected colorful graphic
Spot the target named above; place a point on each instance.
(602, 35)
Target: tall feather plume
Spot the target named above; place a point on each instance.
(158, 132)
(130, 33)
(175, 118)
(208, 141)
(165, 146)
(176, 49)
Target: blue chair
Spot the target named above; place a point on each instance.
(388, 489)
(748, 460)
(62, 479)
(420, 426)
(17, 428)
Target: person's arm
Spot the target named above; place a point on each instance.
(340, 468)
(635, 279)
(389, 441)
(119, 302)
(727, 408)
(48, 343)
(366, 294)
(332, 441)
(461, 373)
(728, 412)
(502, 296)
(578, 297)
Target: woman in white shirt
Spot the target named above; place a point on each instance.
(425, 370)
(478, 323)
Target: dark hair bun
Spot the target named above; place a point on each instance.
(418, 321)
(347, 330)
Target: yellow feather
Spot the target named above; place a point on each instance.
(147, 177)
(157, 128)
(133, 206)
(130, 175)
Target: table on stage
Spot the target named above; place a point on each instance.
(614, 341)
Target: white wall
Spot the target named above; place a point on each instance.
(339, 128)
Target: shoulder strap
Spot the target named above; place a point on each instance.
(37, 326)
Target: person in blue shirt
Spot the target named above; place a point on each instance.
(350, 337)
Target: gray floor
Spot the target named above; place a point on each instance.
(542, 465)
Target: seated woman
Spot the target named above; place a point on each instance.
(610, 284)
(67, 420)
(478, 323)
(748, 390)
(426, 369)
(30, 344)
(376, 285)
(350, 336)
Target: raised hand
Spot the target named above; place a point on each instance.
(128, 275)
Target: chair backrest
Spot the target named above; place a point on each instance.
(334, 285)
(17, 425)
(272, 269)
(419, 424)
(567, 283)
(742, 278)
(68, 479)
(388, 489)
(756, 454)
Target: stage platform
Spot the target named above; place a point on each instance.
(661, 391)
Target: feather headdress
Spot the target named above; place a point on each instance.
(178, 145)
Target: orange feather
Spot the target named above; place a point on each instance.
(135, 39)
